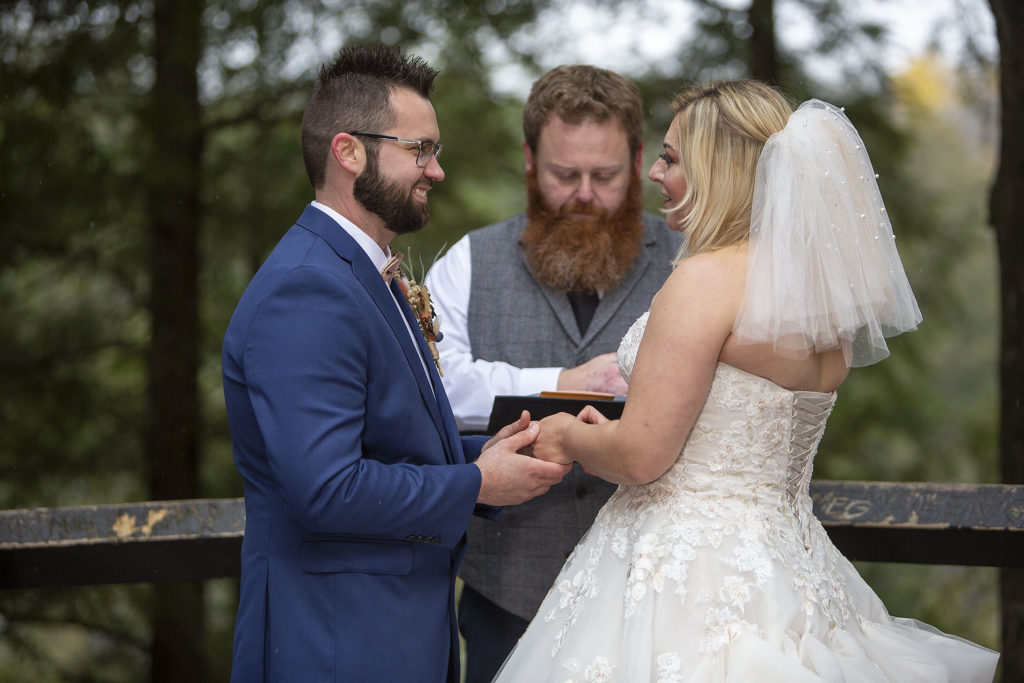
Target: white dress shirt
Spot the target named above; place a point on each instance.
(472, 384)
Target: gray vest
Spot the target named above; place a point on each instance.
(513, 318)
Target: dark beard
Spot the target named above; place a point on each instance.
(390, 201)
(582, 254)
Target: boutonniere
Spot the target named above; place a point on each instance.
(419, 300)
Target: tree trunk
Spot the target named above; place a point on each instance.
(172, 429)
(1007, 216)
(764, 64)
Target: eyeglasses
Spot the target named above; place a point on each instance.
(425, 149)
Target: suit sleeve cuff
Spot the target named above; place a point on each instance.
(487, 511)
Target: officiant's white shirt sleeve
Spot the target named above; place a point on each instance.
(472, 384)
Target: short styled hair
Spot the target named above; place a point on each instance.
(354, 93)
(576, 93)
(721, 128)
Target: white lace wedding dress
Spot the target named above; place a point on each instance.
(719, 571)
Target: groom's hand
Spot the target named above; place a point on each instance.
(508, 477)
(508, 430)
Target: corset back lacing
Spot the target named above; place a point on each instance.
(810, 413)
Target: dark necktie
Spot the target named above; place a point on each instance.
(583, 306)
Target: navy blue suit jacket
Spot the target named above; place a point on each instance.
(357, 487)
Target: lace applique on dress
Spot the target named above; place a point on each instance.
(626, 354)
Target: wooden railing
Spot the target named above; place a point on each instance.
(187, 540)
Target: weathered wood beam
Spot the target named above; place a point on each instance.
(179, 540)
(923, 523)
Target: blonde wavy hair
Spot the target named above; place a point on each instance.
(722, 127)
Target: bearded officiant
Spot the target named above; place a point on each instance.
(538, 302)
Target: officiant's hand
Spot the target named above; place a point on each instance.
(600, 373)
(507, 476)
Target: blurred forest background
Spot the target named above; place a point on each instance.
(149, 159)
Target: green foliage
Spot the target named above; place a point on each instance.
(70, 249)
(95, 633)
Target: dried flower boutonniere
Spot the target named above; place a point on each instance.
(430, 325)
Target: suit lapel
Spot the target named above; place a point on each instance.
(444, 417)
(384, 298)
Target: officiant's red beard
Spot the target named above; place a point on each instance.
(582, 253)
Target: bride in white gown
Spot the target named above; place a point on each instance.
(707, 564)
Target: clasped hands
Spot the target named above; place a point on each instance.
(551, 444)
(525, 458)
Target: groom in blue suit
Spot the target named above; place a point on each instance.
(358, 487)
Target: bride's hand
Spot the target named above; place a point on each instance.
(591, 415)
(550, 445)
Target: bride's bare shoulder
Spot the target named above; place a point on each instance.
(722, 270)
(704, 292)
